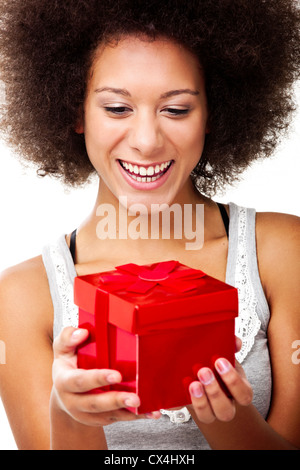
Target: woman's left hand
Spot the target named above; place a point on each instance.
(210, 402)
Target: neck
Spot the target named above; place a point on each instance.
(133, 229)
(123, 220)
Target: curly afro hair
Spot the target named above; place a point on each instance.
(249, 50)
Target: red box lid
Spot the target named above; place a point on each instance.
(157, 296)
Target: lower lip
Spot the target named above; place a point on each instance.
(142, 186)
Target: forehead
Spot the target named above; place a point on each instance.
(135, 61)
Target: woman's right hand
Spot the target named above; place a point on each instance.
(71, 386)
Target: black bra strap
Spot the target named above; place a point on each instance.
(73, 244)
(224, 217)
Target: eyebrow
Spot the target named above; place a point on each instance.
(119, 91)
(168, 94)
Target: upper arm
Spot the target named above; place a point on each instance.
(25, 379)
(278, 237)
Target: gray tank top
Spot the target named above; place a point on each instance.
(251, 327)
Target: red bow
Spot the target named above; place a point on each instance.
(139, 279)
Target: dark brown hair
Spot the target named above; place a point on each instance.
(249, 50)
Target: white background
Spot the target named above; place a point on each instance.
(34, 211)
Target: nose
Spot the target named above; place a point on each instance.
(145, 134)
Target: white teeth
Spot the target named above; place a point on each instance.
(147, 179)
(145, 175)
(143, 171)
(150, 171)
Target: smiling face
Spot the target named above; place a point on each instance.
(145, 119)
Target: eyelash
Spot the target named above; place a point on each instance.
(177, 111)
(118, 110)
(123, 110)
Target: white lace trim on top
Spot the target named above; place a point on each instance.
(64, 286)
(247, 324)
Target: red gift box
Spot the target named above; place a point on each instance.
(157, 325)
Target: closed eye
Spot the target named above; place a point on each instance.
(176, 111)
(124, 110)
(117, 110)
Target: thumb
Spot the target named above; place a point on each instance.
(68, 340)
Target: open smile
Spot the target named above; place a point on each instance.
(145, 174)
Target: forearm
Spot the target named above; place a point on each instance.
(247, 431)
(68, 434)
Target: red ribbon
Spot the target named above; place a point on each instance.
(140, 279)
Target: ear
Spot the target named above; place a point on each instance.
(79, 125)
(79, 128)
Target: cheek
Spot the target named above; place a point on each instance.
(100, 138)
(196, 137)
(189, 141)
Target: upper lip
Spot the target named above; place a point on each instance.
(145, 165)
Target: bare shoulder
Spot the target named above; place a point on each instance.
(276, 224)
(26, 317)
(278, 250)
(25, 296)
(277, 236)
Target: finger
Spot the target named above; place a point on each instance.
(103, 419)
(238, 344)
(112, 405)
(81, 380)
(222, 406)
(239, 369)
(200, 403)
(68, 339)
(238, 385)
(106, 401)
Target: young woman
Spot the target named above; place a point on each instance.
(166, 102)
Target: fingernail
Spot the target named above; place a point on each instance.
(112, 378)
(132, 401)
(77, 334)
(196, 390)
(206, 376)
(222, 366)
